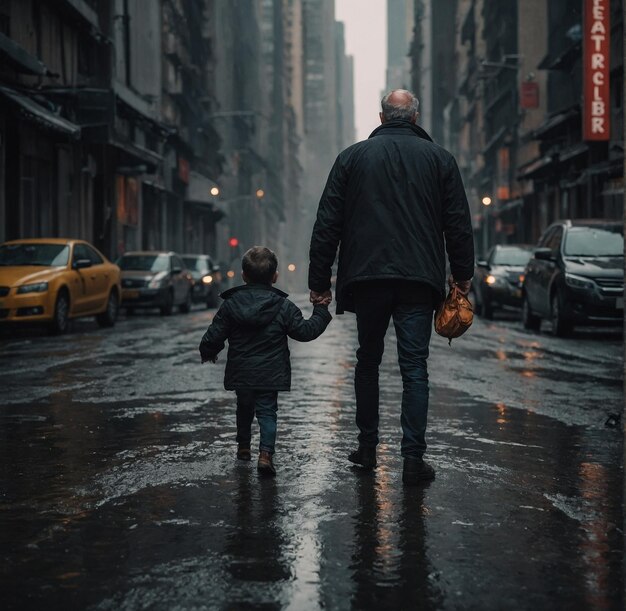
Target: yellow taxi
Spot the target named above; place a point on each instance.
(52, 280)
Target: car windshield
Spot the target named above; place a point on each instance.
(45, 255)
(594, 242)
(196, 264)
(512, 256)
(144, 263)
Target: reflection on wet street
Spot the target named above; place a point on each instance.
(120, 488)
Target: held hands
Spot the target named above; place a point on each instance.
(322, 299)
(464, 286)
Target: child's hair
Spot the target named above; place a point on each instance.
(259, 264)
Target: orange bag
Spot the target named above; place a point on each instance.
(454, 316)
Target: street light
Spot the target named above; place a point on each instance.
(215, 191)
(291, 267)
(486, 201)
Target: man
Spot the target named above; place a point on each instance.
(389, 203)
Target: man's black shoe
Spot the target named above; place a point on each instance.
(416, 470)
(365, 457)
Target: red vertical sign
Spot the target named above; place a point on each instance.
(529, 97)
(596, 58)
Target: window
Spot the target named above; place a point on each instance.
(512, 256)
(543, 241)
(595, 242)
(45, 255)
(554, 243)
(196, 264)
(80, 252)
(94, 257)
(144, 263)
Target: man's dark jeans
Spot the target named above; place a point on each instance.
(265, 405)
(376, 302)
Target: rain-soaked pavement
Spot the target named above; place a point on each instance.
(120, 489)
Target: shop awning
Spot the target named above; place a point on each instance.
(554, 122)
(511, 205)
(208, 208)
(82, 10)
(563, 59)
(494, 140)
(32, 111)
(135, 104)
(21, 59)
(537, 167)
(131, 153)
(574, 151)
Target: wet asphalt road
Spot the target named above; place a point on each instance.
(119, 487)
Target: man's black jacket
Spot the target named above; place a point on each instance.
(390, 201)
(256, 320)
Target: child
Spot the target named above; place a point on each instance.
(256, 319)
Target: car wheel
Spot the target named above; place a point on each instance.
(561, 326)
(168, 306)
(185, 307)
(529, 320)
(478, 306)
(109, 316)
(60, 320)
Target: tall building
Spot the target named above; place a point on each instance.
(49, 172)
(171, 124)
(321, 119)
(433, 62)
(516, 118)
(241, 117)
(178, 209)
(400, 20)
(345, 89)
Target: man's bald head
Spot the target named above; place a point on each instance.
(399, 104)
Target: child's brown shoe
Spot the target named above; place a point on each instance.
(243, 453)
(265, 466)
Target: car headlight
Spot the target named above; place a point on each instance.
(155, 283)
(578, 282)
(207, 279)
(491, 280)
(38, 287)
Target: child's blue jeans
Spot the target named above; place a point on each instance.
(265, 405)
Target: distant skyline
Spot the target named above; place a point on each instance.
(366, 40)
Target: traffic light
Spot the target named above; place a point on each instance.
(234, 242)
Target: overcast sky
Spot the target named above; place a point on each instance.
(366, 39)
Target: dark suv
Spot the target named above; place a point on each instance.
(207, 279)
(576, 276)
(498, 279)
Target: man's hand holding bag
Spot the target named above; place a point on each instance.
(455, 315)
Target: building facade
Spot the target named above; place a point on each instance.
(400, 21)
(509, 103)
(190, 125)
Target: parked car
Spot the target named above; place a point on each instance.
(207, 279)
(498, 279)
(576, 276)
(54, 280)
(152, 279)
